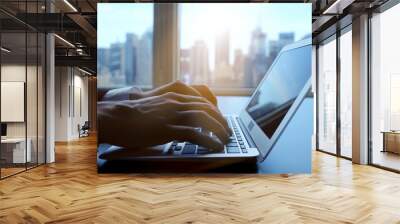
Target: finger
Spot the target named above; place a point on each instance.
(203, 120)
(190, 134)
(185, 98)
(206, 107)
(180, 87)
(206, 92)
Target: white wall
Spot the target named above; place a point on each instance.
(70, 83)
(12, 73)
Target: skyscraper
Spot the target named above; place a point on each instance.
(130, 56)
(238, 64)
(199, 66)
(256, 64)
(184, 62)
(258, 44)
(286, 38)
(102, 60)
(222, 49)
(144, 74)
(116, 59)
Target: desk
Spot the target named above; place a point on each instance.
(13, 150)
(391, 141)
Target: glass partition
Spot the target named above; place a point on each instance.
(41, 96)
(327, 95)
(14, 153)
(31, 98)
(22, 87)
(385, 89)
(346, 93)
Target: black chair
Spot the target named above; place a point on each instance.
(84, 130)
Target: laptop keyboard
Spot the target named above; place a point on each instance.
(235, 144)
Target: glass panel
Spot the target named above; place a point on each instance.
(231, 46)
(385, 84)
(125, 51)
(327, 96)
(13, 87)
(31, 98)
(41, 98)
(346, 94)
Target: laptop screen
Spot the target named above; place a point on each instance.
(280, 88)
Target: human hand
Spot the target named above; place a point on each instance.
(182, 88)
(133, 93)
(160, 119)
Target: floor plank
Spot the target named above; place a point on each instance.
(71, 191)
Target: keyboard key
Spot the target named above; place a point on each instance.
(178, 148)
(232, 149)
(233, 144)
(189, 149)
(173, 145)
(201, 150)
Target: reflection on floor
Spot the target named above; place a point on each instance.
(10, 171)
(386, 159)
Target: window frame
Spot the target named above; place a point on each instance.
(381, 9)
(334, 36)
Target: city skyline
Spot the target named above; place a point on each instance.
(128, 62)
(246, 70)
(223, 45)
(238, 18)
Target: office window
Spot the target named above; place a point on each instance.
(125, 45)
(327, 95)
(385, 89)
(346, 93)
(231, 46)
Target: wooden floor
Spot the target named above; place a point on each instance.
(71, 191)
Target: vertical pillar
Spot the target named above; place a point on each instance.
(165, 43)
(50, 92)
(50, 99)
(360, 89)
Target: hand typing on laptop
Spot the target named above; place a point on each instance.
(131, 118)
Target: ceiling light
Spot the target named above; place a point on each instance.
(5, 50)
(84, 71)
(65, 41)
(338, 6)
(70, 5)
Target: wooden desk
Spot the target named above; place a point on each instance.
(391, 141)
(13, 150)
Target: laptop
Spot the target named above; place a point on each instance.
(258, 126)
